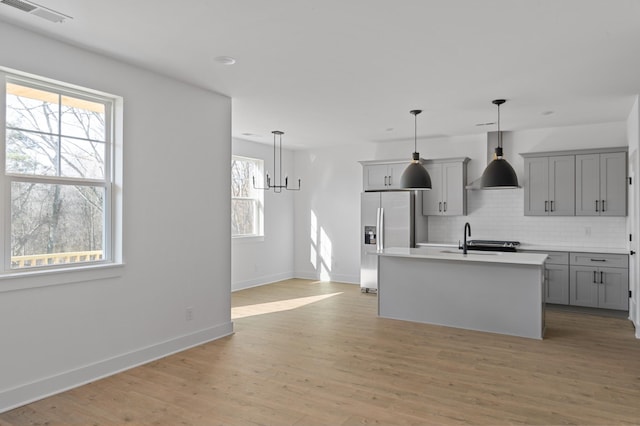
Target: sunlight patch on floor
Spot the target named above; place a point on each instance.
(279, 306)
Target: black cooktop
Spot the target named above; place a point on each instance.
(493, 245)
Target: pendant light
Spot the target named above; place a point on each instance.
(415, 176)
(277, 186)
(499, 174)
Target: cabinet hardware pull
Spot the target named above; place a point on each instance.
(445, 206)
(546, 206)
(594, 277)
(603, 206)
(385, 181)
(601, 279)
(632, 252)
(439, 206)
(551, 204)
(597, 205)
(598, 260)
(390, 180)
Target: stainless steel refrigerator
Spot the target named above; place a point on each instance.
(388, 219)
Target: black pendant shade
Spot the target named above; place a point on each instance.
(499, 174)
(415, 176)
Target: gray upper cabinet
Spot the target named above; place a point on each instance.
(381, 176)
(432, 200)
(601, 184)
(447, 196)
(587, 182)
(550, 186)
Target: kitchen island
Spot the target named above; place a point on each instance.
(487, 291)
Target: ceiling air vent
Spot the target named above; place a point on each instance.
(37, 10)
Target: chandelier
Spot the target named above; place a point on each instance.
(277, 166)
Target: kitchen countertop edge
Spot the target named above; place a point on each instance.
(483, 257)
(543, 247)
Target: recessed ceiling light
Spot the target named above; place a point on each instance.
(248, 134)
(547, 112)
(225, 60)
(389, 129)
(486, 124)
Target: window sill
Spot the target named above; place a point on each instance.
(248, 239)
(23, 280)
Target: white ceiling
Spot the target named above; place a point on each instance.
(329, 72)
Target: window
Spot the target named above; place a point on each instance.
(246, 201)
(57, 176)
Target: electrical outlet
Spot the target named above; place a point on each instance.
(189, 313)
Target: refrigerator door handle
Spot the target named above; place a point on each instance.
(380, 239)
(378, 228)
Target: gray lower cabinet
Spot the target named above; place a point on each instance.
(556, 277)
(556, 284)
(599, 281)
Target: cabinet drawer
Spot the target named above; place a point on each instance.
(558, 258)
(600, 259)
(554, 257)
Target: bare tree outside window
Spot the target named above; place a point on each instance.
(246, 201)
(56, 161)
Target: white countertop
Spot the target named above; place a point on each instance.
(453, 254)
(578, 249)
(543, 247)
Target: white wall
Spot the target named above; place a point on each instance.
(256, 261)
(327, 219)
(334, 179)
(176, 234)
(633, 223)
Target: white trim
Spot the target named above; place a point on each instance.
(111, 182)
(256, 195)
(25, 279)
(5, 219)
(257, 282)
(47, 386)
(336, 278)
(247, 238)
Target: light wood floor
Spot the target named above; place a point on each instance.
(310, 353)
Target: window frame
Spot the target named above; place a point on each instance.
(258, 200)
(112, 241)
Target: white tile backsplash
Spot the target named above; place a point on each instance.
(499, 215)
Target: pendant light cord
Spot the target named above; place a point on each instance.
(280, 165)
(274, 156)
(415, 133)
(499, 132)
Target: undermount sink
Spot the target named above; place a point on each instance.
(481, 253)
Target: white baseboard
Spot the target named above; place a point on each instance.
(267, 279)
(338, 278)
(30, 392)
(634, 316)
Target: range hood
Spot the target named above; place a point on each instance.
(492, 143)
